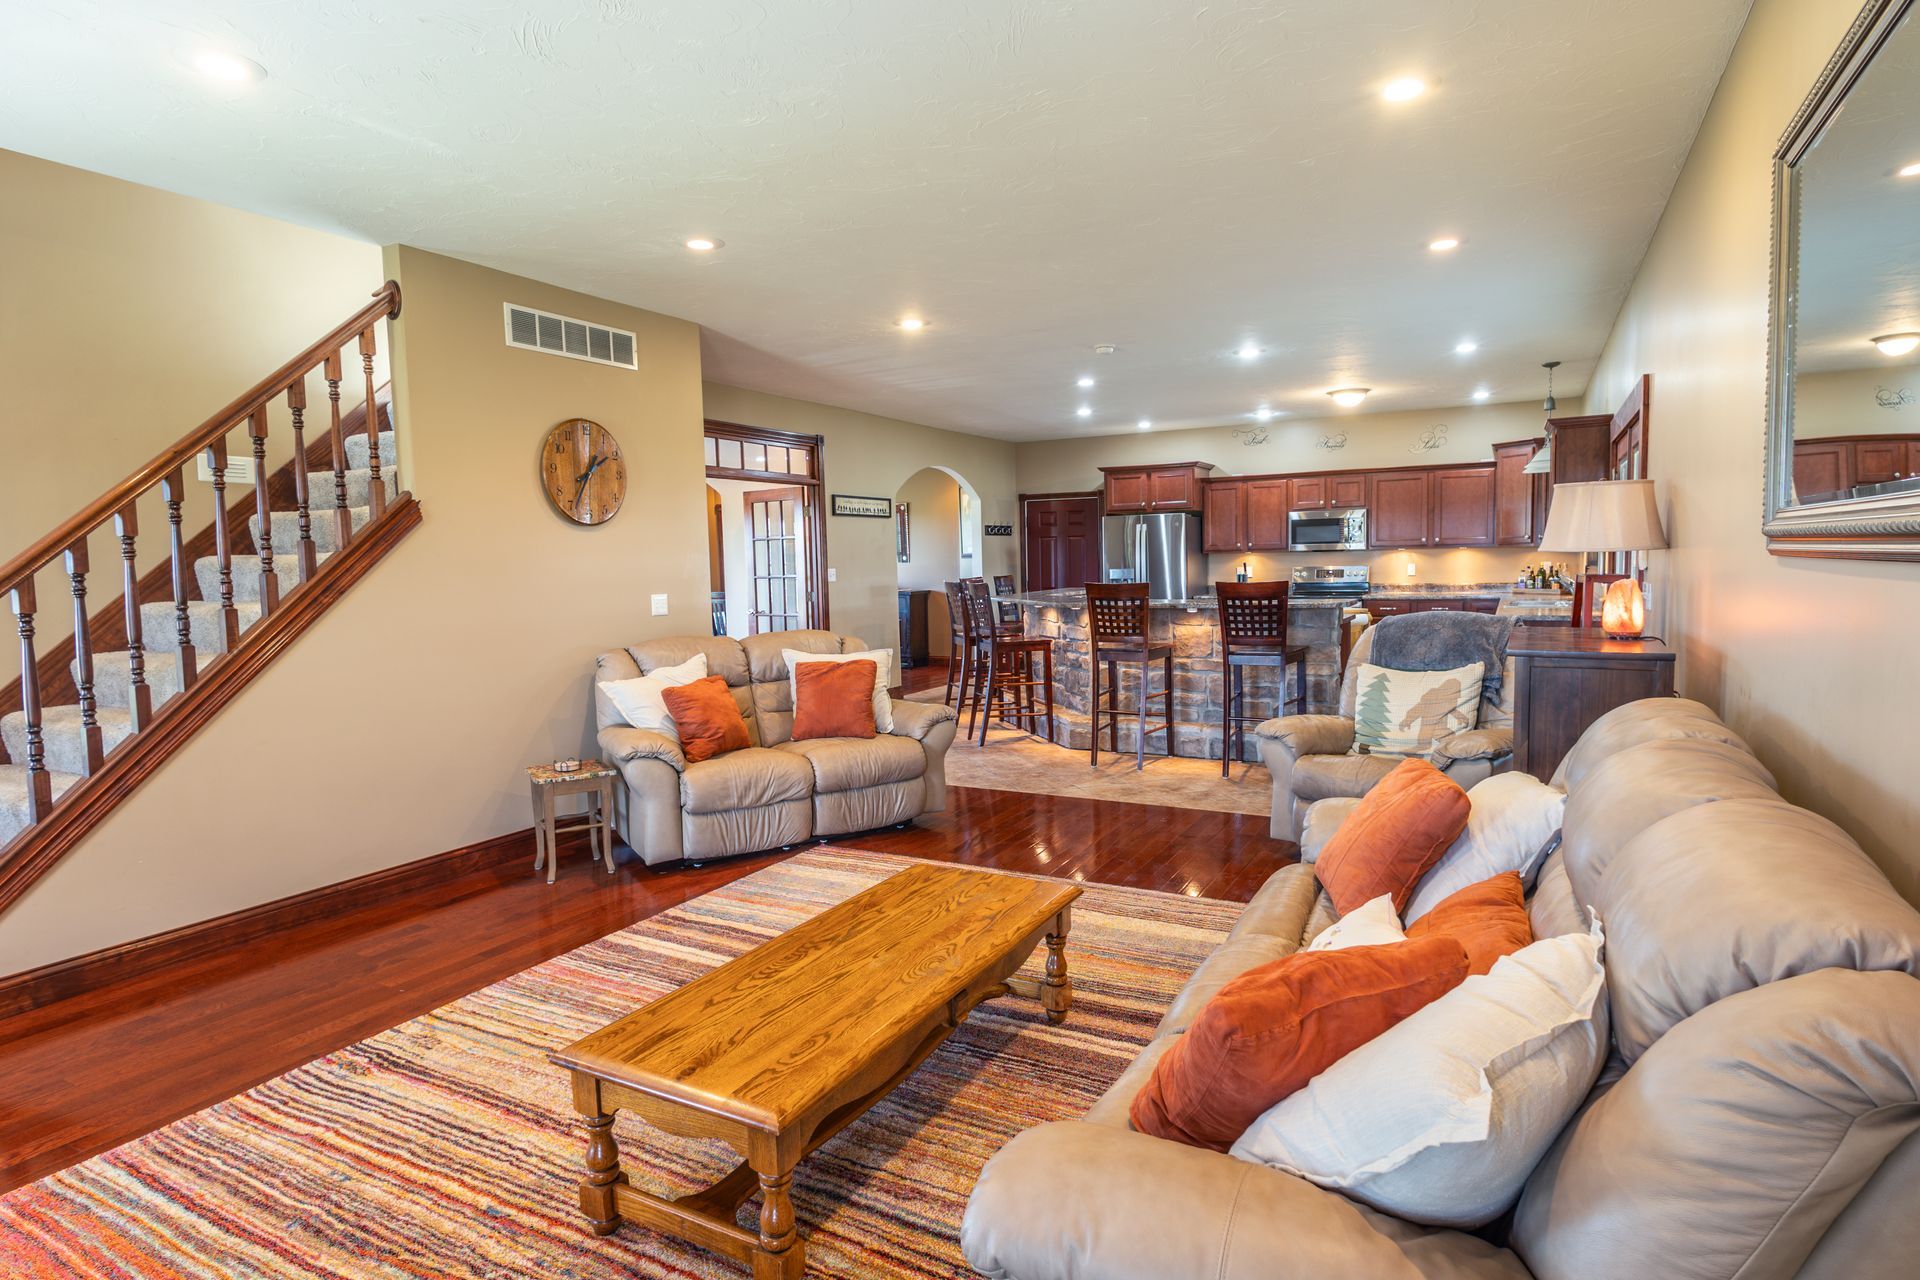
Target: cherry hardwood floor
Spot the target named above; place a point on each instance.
(84, 1074)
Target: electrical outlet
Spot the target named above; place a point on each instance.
(833, 575)
(1409, 568)
(659, 605)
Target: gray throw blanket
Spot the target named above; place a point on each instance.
(1442, 640)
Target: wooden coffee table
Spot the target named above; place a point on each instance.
(779, 1050)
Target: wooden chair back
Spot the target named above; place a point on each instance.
(1117, 615)
(1586, 596)
(979, 605)
(1253, 615)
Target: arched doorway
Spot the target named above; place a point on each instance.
(938, 535)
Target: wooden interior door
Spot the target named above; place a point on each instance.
(1062, 541)
(776, 548)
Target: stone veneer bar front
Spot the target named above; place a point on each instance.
(1192, 627)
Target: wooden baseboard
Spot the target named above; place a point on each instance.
(34, 988)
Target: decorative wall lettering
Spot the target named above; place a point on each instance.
(1253, 435)
(1434, 437)
(1888, 398)
(1332, 442)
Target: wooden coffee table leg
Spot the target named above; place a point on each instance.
(782, 1254)
(597, 1189)
(1056, 991)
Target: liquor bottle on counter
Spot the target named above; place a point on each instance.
(1244, 575)
(1526, 577)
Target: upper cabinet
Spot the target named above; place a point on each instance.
(1435, 507)
(1828, 468)
(1223, 515)
(1462, 511)
(1173, 486)
(1397, 504)
(1246, 515)
(1519, 500)
(1315, 493)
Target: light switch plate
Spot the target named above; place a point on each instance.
(659, 605)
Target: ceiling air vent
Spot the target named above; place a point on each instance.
(565, 336)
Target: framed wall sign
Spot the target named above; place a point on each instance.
(847, 504)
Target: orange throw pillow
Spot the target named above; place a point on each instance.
(707, 718)
(1280, 1024)
(834, 699)
(1489, 919)
(1393, 837)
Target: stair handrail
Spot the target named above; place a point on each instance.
(385, 304)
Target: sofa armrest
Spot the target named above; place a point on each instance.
(1309, 735)
(1080, 1201)
(918, 719)
(1474, 744)
(623, 744)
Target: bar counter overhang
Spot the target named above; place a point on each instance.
(1192, 627)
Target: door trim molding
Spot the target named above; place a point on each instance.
(815, 484)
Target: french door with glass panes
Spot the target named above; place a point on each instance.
(786, 537)
(776, 536)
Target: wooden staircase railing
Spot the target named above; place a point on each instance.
(202, 683)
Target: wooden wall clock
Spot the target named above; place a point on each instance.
(583, 471)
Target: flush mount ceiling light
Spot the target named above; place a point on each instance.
(1465, 347)
(1403, 89)
(1349, 397)
(1897, 344)
(1481, 393)
(1248, 351)
(1084, 411)
(1910, 171)
(1144, 423)
(228, 68)
(912, 324)
(1085, 380)
(704, 244)
(1445, 244)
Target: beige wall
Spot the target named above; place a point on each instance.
(934, 548)
(1843, 403)
(1808, 659)
(399, 726)
(872, 457)
(1372, 440)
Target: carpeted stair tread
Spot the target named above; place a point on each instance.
(321, 495)
(113, 677)
(357, 455)
(160, 626)
(60, 731)
(325, 529)
(13, 797)
(246, 575)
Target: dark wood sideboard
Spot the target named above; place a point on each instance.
(1568, 677)
(913, 629)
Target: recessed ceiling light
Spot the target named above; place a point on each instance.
(1911, 171)
(1248, 351)
(912, 324)
(1085, 380)
(1465, 347)
(1348, 397)
(1263, 414)
(1403, 89)
(1144, 423)
(704, 244)
(1897, 344)
(1445, 244)
(1482, 394)
(1105, 349)
(1084, 411)
(229, 68)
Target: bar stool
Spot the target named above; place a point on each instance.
(957, 648)
(1004, 669)
(1003, 586)
(1253, 633)
(1119, 630)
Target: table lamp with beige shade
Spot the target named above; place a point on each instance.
(1608, 515)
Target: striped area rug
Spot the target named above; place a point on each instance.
(448, 1147)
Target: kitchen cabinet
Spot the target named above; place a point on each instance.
(1519, 500)
(1878, 461)
(1245, 515)
(1317, 493)
(1460, 508)
(1821, 468)
(1266, 514)
(1174, 486)
(913, 628)
(1397, 504)
(1830, 466)
(1390, 607)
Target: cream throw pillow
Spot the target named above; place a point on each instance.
(882, 660)
(1402, 713)
(639, 700)
(1511, 821)
(1441, 1118)
(1372, 924)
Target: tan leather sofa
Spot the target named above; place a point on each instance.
(1759, 1117)
(776, 792)
(1312, 758)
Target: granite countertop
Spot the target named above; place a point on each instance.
(1076, 597)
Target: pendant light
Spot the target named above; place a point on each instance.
(1542, 461)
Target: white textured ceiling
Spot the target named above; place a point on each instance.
(1034, 178)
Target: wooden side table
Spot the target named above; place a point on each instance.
(1568, 677)
(593, 779)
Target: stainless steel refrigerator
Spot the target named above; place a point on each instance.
(1162, 550)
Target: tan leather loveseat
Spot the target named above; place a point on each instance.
(775, 792)
(1759, 1117)
(1312, 758)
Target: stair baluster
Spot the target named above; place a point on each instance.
(223, 541)
(297, 406)
(83, 657)
(376, 491)
(126, 523)
(39, 781)
(263, 511)
(343, 518)
(173, 489)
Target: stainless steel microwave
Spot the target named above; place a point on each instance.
(1333, 529)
